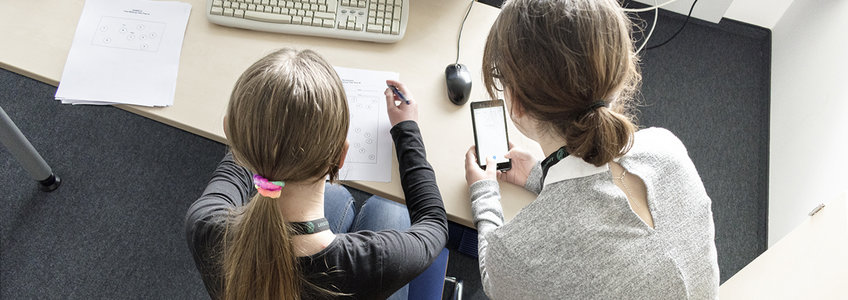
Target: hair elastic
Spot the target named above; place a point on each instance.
(267, 188)
(594, 106)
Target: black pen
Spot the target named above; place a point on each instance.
(399, 94)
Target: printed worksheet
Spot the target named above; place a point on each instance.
(125, 51)
(369, 156)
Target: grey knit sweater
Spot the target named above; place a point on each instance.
(580, 239)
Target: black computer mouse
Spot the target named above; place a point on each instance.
(458, 80)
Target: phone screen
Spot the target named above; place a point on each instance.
(490, 132)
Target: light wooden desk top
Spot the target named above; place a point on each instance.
(37, 36)
(811, 262)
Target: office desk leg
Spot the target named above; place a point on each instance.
(22, 150)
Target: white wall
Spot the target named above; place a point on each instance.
(763, 13)
(809, 111)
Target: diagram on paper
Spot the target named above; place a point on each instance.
(124, 33)
(369, 156)
(365, 123)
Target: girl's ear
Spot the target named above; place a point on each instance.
(344, 154)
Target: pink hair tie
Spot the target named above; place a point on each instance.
(267, 188)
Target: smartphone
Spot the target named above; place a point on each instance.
(489, 121)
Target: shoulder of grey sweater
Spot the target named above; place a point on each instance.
(657, 141)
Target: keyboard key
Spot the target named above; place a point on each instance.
(296, 19)
(328, 23)
(395, 27)
(324, 15)
(217, 3)
(217, 11)
(374, 28)
(238, 13)
(307, 21)
(228, 12)
(359, 27)
(266, 17)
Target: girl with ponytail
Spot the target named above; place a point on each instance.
(620, 213)
(268, 226)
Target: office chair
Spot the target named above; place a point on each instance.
(25, 154)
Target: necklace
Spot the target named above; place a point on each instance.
(626, 188)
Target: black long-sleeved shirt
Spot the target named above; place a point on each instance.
(364, 264)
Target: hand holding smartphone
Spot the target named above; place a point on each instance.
(490, 135)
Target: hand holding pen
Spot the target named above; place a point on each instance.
(407, 110)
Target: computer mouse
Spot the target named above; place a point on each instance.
(458, 80)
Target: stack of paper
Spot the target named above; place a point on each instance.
(125, 52)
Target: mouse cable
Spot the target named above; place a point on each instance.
(460, 31)
(653, 26)
(678, 30)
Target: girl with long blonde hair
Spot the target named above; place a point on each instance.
(298, 236)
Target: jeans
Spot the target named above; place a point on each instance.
(376, 214)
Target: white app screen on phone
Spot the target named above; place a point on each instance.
(491, 134)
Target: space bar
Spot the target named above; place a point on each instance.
(266, 17)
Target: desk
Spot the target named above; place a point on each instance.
(37, 36)
(809, 263)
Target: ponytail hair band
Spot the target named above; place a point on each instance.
(267, 188)
(594, 106)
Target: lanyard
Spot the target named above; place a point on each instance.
(310, 227)
(551, 160)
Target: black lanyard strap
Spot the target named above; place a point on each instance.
(551, 160)
(310, 227)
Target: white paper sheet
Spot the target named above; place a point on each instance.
(369, 156)
(125, 51)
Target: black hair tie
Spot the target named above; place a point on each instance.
(595, 106)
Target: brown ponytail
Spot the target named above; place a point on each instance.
(600, 136)
(287, 120)
(556, 58)
(260, 261)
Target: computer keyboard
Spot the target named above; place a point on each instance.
(382, 21)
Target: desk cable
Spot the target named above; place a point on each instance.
(460, 30)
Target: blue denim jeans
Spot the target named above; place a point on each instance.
(376, 214)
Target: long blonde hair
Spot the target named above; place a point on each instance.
(287, 120)
(557, 58)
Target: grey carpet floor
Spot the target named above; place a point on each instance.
(114, 228)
